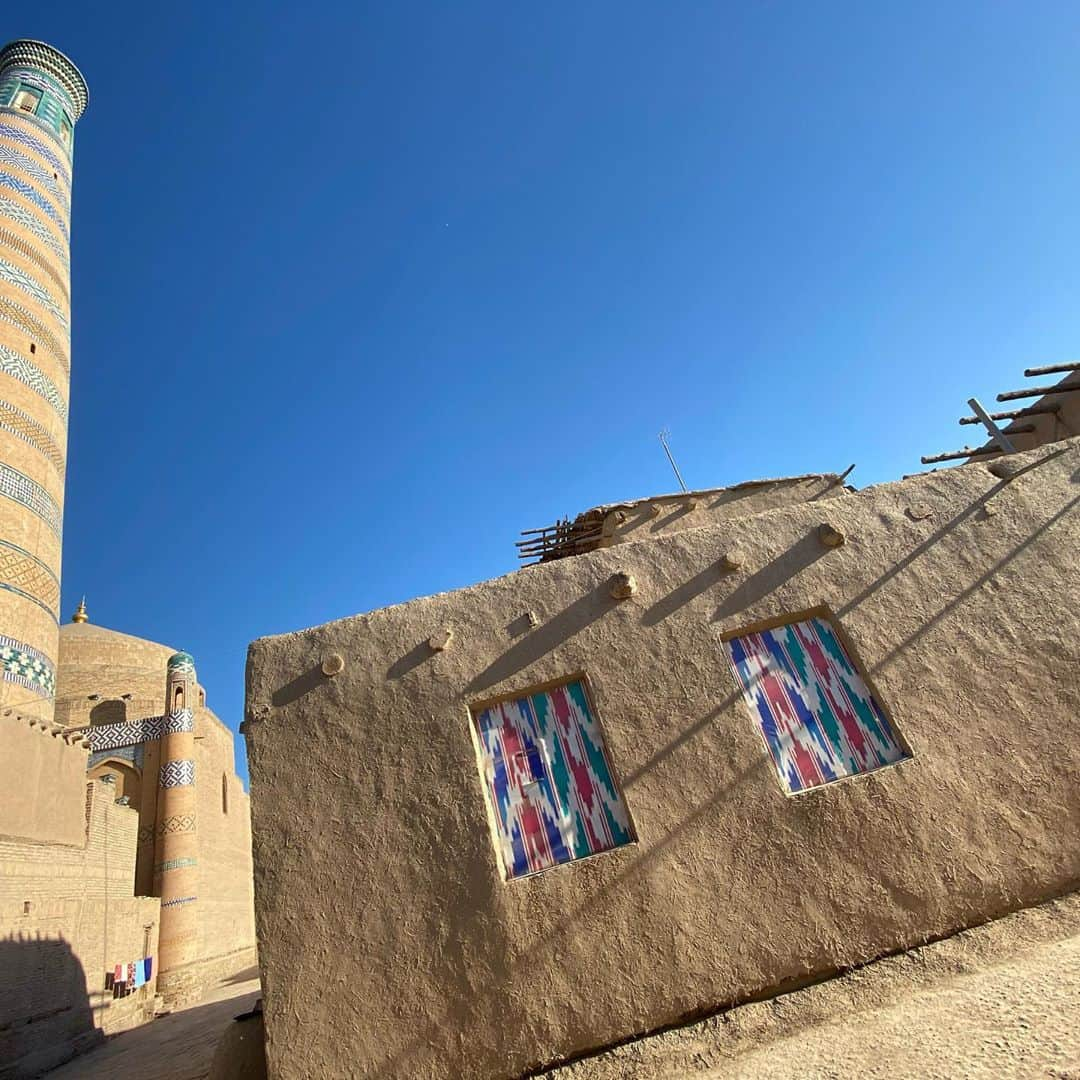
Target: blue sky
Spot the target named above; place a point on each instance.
(361, 290)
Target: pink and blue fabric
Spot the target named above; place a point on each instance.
(817, 716)
(549, 781)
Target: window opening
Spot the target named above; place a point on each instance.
(26, 99)
(811, 705)
(549, 784)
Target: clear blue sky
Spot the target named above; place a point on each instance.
(361, 290)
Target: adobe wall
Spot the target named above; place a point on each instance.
(67, 915)
(42, 778)
(376, 877)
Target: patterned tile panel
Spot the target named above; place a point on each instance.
(113, 736)
(134, 754)
(29, 167)
(29, 374)
(23, 426)
(176, 774)
(23, 574)
(14, 485)
(177, 823)
(18, 213)
(816, 715)
(28, 191)
(23, 281)
(11, 128)
(549, 781)
(174, 864)
(29, 252)
(26, 667)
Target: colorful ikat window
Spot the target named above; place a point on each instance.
(549, 783)
(819, 720)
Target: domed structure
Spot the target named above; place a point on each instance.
(181, 661)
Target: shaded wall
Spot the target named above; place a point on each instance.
(67, 915)
(376, 877)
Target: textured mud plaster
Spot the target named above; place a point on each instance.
(389, 944)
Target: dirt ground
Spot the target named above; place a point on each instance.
(1001, 1000)
(179, 1046)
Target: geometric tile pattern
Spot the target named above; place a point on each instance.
(31, 253)
(174, 864)
(14, 485)
(178, 900)
(29, 221)
(817, 717)
(21, 280)
(22, 573)
(29, 374)
(35, 171)
(176, 774)
(134, 754)
(16, 134)
(25, 666)
(27, 191)
(23, 426)
(548, 781)
(178, 823)
(14, 313)
(130, 733)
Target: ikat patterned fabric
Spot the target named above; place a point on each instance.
(549, 781)
(817, 716)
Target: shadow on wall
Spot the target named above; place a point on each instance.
(113, 711)
(45, 1012)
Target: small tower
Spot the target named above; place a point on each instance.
(42, 95)
(176, 860)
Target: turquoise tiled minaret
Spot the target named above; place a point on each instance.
(42, 95)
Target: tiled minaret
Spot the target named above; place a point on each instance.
(42, 95)
(176, 858)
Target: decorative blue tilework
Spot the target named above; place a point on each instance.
(22, 280)
(113, 736)
(177, 774)
(29, 374)
(16, 134)
(134, 754)
(36, 171)
(30, 192)
(26, 667)
(14, 485)
(27, 576)
(33, 224)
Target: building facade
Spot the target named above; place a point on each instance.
(42, 96)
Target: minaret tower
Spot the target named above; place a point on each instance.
(42, 95)
(176, 850)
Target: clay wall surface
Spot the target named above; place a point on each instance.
(67, 915)
(41, 784)
(644, 519)
(376, 877)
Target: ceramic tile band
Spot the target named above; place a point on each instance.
(174, 864)
(23, 426)
(18, 213)
(113, 736)
(23, 281)
(27, 251)
(29, 374)
(16, 131)
(27, 576)
(36, 172)
(28, 191)
(29, 493)
(26, 667)
(178, 900)
(176, 774)
(177, 823)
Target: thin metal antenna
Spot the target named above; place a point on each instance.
(664, 435)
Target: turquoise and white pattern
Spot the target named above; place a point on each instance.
(22, 280)
(36, 171)
(16, 134)
(14, 485)
(29, 374)
(28, 191)
(26, 667)
(18, 213)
